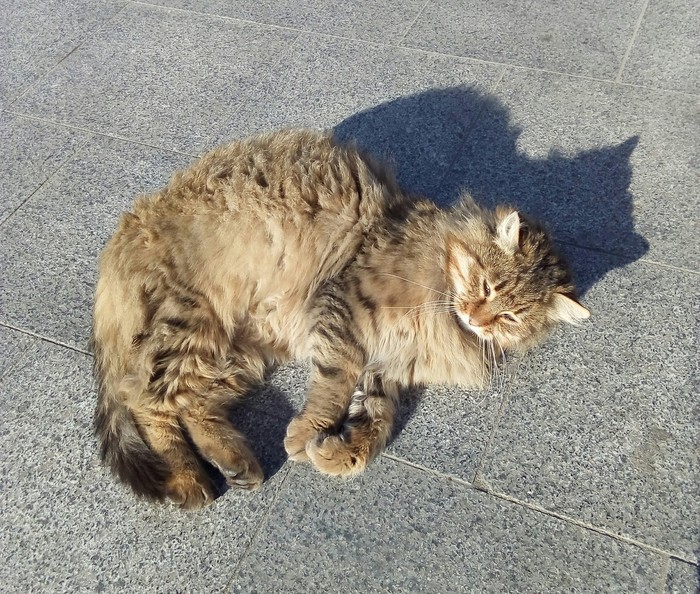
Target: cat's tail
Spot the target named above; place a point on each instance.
(122, 446)
(123, 449)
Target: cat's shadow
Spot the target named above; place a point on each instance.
(443, 141)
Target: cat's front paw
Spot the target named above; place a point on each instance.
(339, 455)
(299, 433)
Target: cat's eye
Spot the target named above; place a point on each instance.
(509, 317)
(487, 289)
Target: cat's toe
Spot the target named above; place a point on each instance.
(335, 456)
(299, 433)
(190, 490)
(250, 478)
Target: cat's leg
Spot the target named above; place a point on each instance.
(196, 373)
(220, 443)
(188, 484)
(337, 361)
(365, 431)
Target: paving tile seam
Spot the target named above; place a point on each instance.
(481, 485)
(417, 49)
(262, 522)
(663, 577)
(45, 120)
(622, 255)
(50, 177)
(53, 341)
(87, 35)
(630, 45)
(413, 22)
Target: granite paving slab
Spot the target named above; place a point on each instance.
(66, 526)
(49, 249)
(666, 51)
(399, 529)
(409, 106)
(32, 151)
(13, 344)
(585, 38)
(603, 424)
(603, 165)
(37, 35)
(372, 20)
(168, 78)
(683, 578)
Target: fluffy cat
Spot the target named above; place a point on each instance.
(290, 246)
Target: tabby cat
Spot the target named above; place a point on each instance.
(292, 246)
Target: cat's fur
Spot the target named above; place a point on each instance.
(289, 246)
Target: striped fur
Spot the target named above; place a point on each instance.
(289, 246)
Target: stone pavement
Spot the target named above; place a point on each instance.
(578, 473)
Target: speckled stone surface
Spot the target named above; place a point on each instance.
(32, 152)
(13, 345)
(683, 578)
(666, 52)
(397, 529)
(578, 474)
(35, 36)
(586, 38)
(162, 77)
(385, 21)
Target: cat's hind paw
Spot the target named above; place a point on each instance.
(190, 490)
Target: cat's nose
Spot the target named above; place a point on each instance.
(474, 322)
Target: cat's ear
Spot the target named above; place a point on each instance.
(459, 264)
(566, 309)
(508, 232)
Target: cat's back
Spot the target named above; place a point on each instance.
(260, 222)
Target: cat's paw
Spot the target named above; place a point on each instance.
(338, 455)
(244, 474)
(299, 433)
(190, 489)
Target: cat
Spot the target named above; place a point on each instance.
(291, 245)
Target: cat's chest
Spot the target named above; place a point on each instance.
(434, 358)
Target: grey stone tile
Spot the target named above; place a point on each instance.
(683, 578)
(49, 252)
(606, 166)
(586, 38)
(13, 344)
(32, 151)
(372, 20)
(445, 429)
(398, 529)
(604, 423)
(34, 36)
(666, 52)
(166, 77)
(66, 526)
(410, 106)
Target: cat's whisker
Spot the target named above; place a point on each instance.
(414, 283)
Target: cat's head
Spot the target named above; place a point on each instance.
(509, 283)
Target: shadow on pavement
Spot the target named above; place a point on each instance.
(583, 198)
